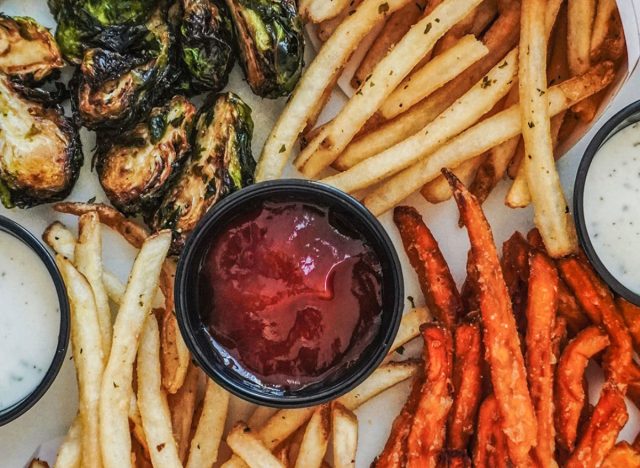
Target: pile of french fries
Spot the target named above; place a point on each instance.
(143, 402)
(503, 378)
(441, 87)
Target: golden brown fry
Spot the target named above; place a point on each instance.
(599, 437)
(182, 405)
(613, 46)
(580, 14)
(396, 26)
(428, 432)
(596, 300)
(541, 313)
(344, 425)
(70, 452)
(436, 282)
(325, 29)
(467, 384)
(245, 443)
(623, 454)
(499, 39)
(605, 9)
(490, 446)
(500, 336)
(135, 423)
(409, 327)
(318, 11)
(316, 439)
(569, 396)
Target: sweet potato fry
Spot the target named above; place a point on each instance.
(569, 395)
(515, 268)
(631, 315)
(467, 384)
(501, 340)
(469, 291)
(428, 431)
(541, 311)
(558, 338)
(569, 309)
(458, 460)
(490, 447)
(394, 454)
(596, 300)
(608, 418)
(623, 454)
(436, 282)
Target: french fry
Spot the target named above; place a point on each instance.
(152, 401)
(70, 451)
(500, 336)
(175, 355)
(580, 15)
(499, 39)
(182, 405)
(479, 100)
(385, 77)
(318, 11)
(88, 261)
(248, 446)
(206, 440)
(460, 29)
(316, 439)
(438, 190)
(135, 423)
(541, 313)
(599, 437)
(115, 441)
(433, 75)
(37, 463)
(394, 29)
(394, 454)
(409, 327)
(428, 432)
(622, 454)
(260, 416)
(325, 29)
(482, 137)
(60, 239)
(490, 447)
(569, 394)
(467, 384)
(310, 89)
(612, 46)
(344, 425)
(631, 315)
(113, 286)
(597, 302)
(436, 282)
(86, 343)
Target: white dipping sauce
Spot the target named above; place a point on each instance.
(612, 205)
(29, 320)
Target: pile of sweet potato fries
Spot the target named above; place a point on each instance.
(503, 381)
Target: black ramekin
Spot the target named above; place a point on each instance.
(627, 116)
(197, 337)
(14, 229)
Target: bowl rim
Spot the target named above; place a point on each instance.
(19, 232)
(612, 126)
(351, 377)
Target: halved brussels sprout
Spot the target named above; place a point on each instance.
(206, 43)
(136, 168)
(114, 89)
(220, 164)
(271, 44)
(40, 152)
(27, 49)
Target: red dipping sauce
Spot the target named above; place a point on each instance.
(290, 294)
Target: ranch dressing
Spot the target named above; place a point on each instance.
(29, 320)
(612, 205)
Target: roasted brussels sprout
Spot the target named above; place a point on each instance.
(206, 43)
(27, 49)
(271, 44)
(220, 164)
(115, 89)
(135, 168)
(40, 152)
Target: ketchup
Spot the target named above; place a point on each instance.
(290, 294)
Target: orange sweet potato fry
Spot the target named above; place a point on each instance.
(490, 447)
(541, 311)
(427, 435)
(394, 454)
(436, 282)
(631, 315)
(558, 337)
(458, 460)
(623, 454)
(515, 269)
(467, 384)
(608, 419)
(569, 397)
(500, 335)
(598, 303)
(469, 291)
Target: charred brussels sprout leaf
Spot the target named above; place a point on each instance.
(27, 49)
(136, 168)
(40, 153)
(271, 44)
(220, 164)
(206, 43)
(115, 89)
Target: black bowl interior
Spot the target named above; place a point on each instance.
(12, 228)
(354, 215)
(627, 116)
